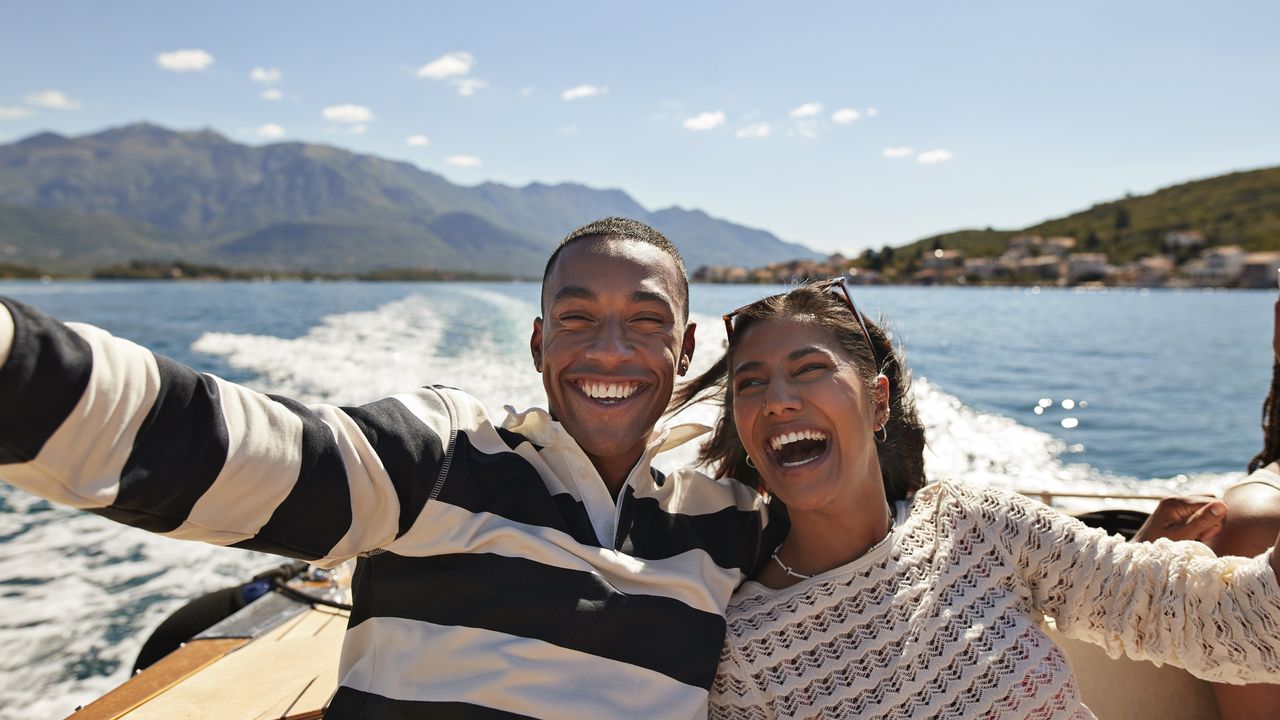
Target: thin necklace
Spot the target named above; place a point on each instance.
(801, 576)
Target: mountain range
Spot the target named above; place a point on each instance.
(70, 204)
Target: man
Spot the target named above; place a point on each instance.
(538, 568)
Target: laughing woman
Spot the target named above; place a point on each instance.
(871, 609)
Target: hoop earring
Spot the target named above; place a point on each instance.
(750, 464)
(884, 433)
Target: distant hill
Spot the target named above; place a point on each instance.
(1241, 208)
(146, 192)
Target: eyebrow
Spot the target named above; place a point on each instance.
(577, 292)
(791, 357)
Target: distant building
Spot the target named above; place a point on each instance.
(1085, 267)
(1060, 246)
(1149, 271)
(864, 277)
(1260, 270)
(1045, 267)
(984, 268)
(1216, 267)
(942, 260)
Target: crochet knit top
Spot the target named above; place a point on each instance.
(943, 619)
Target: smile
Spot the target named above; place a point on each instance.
(608, 393)
(798, 447)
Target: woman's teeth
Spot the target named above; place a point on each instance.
(609, 391)
(777, 441)
(797, 448)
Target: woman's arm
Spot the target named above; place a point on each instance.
(1164, 601)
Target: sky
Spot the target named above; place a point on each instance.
(839, 125)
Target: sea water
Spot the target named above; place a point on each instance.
(1027, 388)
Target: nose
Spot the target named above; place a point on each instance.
(780, 398)
(609, 345)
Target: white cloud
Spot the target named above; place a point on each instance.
(266, 76)
(469, 86)
(447, 65)
(806, 129)
(582, 91)
(754, 131)
(704, 121)
(271, 94)
(897, 152)
(844, 116)
(185, 60)
(9, 112)
(417, 140)
(463, 161)
(52, 99)
(526, 91)
(933, 157)
(349, 114)
(270, 131)
(806, 110)
(872, 112)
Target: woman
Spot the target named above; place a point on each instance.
(935, 612)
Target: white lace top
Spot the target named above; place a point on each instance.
(943, 621)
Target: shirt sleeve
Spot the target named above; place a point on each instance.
(100, 423)
(734, 693)
(1174, 602)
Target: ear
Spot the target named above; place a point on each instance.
(686, 349)
(881, 402)
(535, 344)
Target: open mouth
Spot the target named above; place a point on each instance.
(608, 393)
(798, 447)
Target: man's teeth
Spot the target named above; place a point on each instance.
(609, 391)
(777, 441)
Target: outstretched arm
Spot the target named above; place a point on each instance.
(99, 423)
(6, 333)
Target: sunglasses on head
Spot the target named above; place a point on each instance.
(841, 282)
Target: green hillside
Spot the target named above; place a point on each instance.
(1242, 208)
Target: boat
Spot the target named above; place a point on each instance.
(274, 659)
(277, 657)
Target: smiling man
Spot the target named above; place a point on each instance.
(534, 567)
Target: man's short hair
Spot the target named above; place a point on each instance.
(626, 228)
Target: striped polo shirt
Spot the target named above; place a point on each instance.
(498, 577)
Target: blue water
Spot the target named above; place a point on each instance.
(1173, 380)
(1164, 388)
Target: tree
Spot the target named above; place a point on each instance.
(886, 255)
(872, 260)
(1122, 218)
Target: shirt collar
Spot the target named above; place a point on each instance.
(537, 425)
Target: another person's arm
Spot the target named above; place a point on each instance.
(100, 423)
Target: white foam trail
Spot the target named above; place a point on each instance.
(81, 594)
(363, 356)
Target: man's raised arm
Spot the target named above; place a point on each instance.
(6, 333)
(100, 423)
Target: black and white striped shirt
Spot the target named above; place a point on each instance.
(499, 578)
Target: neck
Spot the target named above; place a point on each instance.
(822, 540)
(615, 469)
